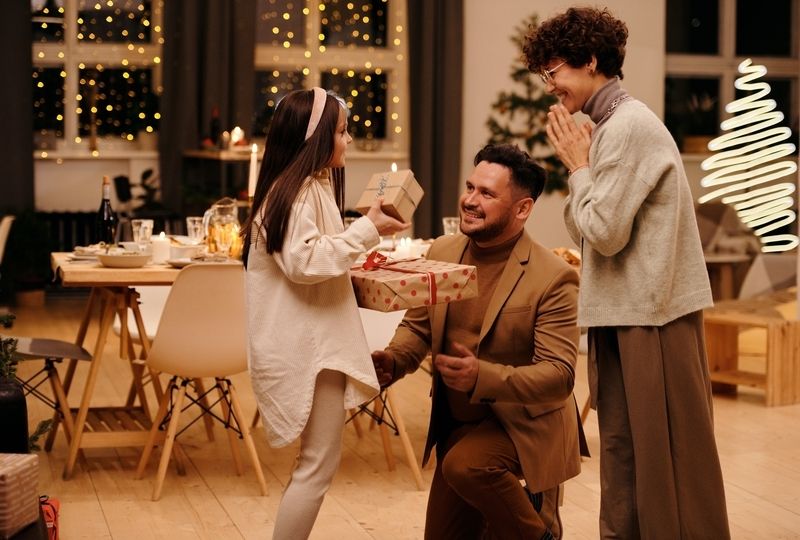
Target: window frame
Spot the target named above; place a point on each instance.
(71, 53)
(392, 59)
(725, 64)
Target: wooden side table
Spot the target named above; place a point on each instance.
(781, 379)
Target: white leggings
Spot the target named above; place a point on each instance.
(320, 452)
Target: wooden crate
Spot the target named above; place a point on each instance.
(781, 378)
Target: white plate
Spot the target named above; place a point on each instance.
(179, 263)
(125, 260)
(83, 257)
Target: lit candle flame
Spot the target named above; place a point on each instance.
(161, 235)
(394, 167)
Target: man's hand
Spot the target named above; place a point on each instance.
(384, 367)
(458, 372)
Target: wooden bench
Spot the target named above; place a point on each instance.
(781, 376)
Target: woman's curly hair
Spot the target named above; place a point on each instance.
(575, 36)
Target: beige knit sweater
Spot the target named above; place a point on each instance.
(302, 313)
(632, 213)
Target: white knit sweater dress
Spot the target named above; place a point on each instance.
(302, 313)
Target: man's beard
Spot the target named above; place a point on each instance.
(489, 231)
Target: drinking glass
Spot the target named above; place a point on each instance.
(142, 230)
(194, 229)
(450, 224)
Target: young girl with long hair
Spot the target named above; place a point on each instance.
(309, 360)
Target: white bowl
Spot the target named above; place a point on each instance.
(124, 260)
(184, 252)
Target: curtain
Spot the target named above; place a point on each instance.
(208, 63)
(16, 97)
(435, 51)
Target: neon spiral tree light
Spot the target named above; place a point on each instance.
(747, 163)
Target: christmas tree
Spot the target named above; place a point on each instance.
(520, 115)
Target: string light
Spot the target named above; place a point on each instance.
(746, 157)
(340, 25)
(124, 102)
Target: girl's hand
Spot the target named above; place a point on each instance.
(570, 142)
(385, 224)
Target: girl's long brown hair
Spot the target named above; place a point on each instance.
(288, 160)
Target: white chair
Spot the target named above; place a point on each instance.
(202, 333)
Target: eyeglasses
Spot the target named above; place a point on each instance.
(547, 74)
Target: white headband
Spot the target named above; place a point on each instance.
(316, 110)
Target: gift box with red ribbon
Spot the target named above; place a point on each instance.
(387, 285)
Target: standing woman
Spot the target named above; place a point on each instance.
(643, 287)
(309, 360)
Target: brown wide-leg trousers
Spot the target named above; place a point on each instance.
(660, 476)
(476, 492)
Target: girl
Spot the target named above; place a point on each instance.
(309, 360)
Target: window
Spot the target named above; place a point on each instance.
(356, 48)
(96, 76)
(706, 41)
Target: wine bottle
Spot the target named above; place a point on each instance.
(215, 130)
(106, 228)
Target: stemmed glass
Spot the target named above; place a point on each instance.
(195, 230)
(142, 230)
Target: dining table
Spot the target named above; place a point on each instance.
(113, 294)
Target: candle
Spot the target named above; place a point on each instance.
(237, 135)
(418, 248)
(252, 179)
(403, 249)
(394, 167)
(160, 248)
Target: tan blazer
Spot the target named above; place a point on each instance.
(527, 350)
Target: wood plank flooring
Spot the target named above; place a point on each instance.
(758, 449)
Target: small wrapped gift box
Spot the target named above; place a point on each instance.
(386, 285)
(19, 497)
(400, 191)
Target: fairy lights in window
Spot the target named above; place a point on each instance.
(116, 96)
(333, 39)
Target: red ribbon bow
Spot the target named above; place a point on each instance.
(377, 261)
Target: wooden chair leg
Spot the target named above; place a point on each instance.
(154, 431)
(411, 458)
(168, 442)
(61, 399)
(387, 442)
(227, 413)
(51, 437)
(248, 441)
(356, 421)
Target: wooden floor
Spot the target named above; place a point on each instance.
(758, 448)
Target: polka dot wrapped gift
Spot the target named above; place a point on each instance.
(386, 285)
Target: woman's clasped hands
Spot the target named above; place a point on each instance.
(570, 141)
